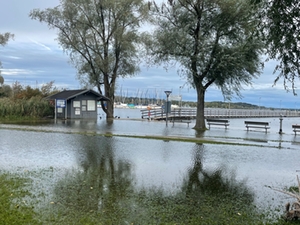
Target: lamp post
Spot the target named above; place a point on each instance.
(167, 105)
(280, 124)
(180, 101)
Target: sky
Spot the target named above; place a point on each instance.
(35, 58)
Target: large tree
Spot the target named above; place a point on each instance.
(214, 41)
(281, 29)
(101, 38)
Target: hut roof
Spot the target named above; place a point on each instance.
(69, 94)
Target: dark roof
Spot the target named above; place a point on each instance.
(69, 94)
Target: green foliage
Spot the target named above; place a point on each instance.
(101, 38)
(5, 91)
(215, 43)
(25, 102)
(282, 33)
(27, 93)
(4, 38)
(18, 91)
(48, 89)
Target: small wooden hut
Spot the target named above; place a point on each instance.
(76, 104)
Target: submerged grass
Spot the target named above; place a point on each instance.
(91, 199)
(13, 207)
(78, 203)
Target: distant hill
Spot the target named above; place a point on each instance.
(214, 104)
(232, 105)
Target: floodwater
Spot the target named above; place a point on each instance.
(58, 152)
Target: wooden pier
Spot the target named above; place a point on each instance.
(190, 113)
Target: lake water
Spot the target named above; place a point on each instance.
(54, 152)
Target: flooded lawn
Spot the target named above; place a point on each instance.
(78, 178)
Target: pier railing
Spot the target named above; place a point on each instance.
(190, 113)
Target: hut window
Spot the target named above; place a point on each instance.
(91, 105)
(83, 105)
(77, 111)
(76, 104)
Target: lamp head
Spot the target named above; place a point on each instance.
(168, 93)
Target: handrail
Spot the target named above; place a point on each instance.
(159, 114)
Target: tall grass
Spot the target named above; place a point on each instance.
(35, 107)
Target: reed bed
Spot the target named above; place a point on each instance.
(35, 107)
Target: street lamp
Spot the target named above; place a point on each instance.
(167, 105)
(180, 101)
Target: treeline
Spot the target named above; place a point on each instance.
(232, 105)
(19, 102)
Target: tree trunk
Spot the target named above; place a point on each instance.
(109, 107)
(200, 120)
(110, 110)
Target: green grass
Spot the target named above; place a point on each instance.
(13, 208)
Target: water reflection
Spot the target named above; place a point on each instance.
(204, 186)
(199, 133)
(137, 180)
(105, 191)
(101, 187)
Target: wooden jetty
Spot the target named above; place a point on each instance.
(190, 113)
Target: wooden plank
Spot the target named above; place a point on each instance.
(217, 121)
(258, 127)
(257, 123)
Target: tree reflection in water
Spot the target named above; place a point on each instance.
(102, 188)
(216, 192)
(104, 192)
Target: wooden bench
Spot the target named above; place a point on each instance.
(217, 122)
(296, 128)
(182, 121)
(257, 124)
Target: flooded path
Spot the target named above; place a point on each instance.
(74, 153)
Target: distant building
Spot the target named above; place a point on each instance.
(76, 104)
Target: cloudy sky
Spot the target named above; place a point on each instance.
(35, 58)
